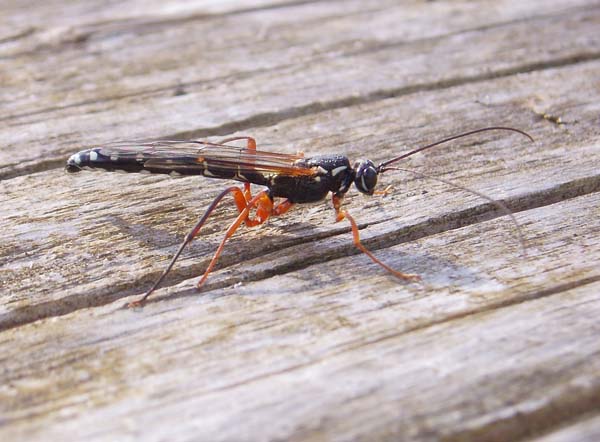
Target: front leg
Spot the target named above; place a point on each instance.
(337, 199)
(342, 214)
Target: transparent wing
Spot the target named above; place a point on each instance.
(198, 155)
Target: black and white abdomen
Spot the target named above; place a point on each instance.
(95, 159)
(78, 161)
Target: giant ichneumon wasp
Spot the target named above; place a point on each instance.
(295, 178)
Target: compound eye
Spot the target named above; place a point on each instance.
(366, 177)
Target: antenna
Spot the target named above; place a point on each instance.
(501, 206)
(383, 166)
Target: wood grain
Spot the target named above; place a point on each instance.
(297, 336)
(295, 351)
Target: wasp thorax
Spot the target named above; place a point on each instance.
(366, 176)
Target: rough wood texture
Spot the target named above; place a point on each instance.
(297, 336)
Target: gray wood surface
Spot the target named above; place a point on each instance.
(296, 335)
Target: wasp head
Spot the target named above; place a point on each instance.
(366, 176)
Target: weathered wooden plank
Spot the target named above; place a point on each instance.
(312, 355)
(83, 240)
(122, 101)
(293, 339)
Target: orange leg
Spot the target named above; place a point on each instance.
(342, 214)
(264, 209)
(385, 192)
(282, 207)
(264, 206)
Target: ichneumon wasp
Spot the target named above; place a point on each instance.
(295, 178)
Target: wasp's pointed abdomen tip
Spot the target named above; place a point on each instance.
(74, 163)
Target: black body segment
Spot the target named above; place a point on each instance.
(332, 174)
(96, 159)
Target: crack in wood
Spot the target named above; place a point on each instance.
(26, 32)
(135, 26)
(523, 425)
(381, 46)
